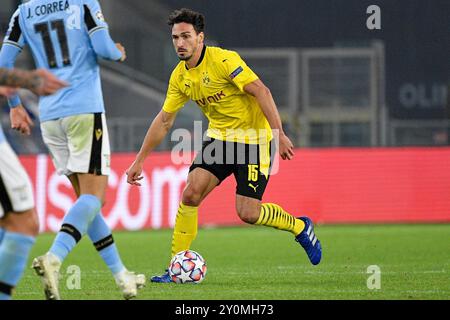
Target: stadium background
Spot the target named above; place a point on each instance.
(368, 110)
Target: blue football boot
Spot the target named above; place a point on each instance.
(309, 241)
(164, 278)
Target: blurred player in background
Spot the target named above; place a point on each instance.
(19, 223)
(67, 37)
(242, 115)
(40, 82)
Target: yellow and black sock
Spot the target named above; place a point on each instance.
(272, 215)
(185, 229)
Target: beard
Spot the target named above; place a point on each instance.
(184, 58)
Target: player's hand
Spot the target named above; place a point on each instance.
(7, 91)
(20, 120)
(122, 49)
(286, 148)
(46, 83)
(134, 173)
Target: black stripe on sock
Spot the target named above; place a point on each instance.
(277, 213)
(104, 243)
(272, 215)
(6, 288)
(263, 213)
(70, 229)
(4, 197)
(95, 165)
(266, 214)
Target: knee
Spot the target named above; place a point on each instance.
(191, 197)
(25, 222)
(31, 225)
(248, 215)
(90, 202)
(33, 228)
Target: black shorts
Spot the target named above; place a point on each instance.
(250, 164)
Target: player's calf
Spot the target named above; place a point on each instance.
(26, 222)
(248, 209)
(14, 250)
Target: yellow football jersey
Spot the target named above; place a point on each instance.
(216, 86)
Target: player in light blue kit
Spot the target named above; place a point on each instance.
(18, 219)
(67, 37)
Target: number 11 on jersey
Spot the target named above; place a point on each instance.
(44, 30)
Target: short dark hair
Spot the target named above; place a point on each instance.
(188, 16)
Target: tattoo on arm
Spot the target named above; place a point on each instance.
(19, 78)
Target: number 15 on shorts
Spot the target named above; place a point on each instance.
(253, 172)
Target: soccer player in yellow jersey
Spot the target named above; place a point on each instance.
(242, 118)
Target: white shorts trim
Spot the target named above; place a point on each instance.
(78, 144)
(16, 191)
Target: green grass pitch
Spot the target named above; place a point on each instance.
(262, 263)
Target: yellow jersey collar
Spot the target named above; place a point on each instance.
(202, 56)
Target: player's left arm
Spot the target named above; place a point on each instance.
(20, 120)
(269, 108)
(98, 31)
(41, 82)
(13, 44)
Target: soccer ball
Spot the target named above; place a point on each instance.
(187, 267)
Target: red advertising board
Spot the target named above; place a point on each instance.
(329, 185)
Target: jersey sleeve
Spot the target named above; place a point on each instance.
(104, 46)
(93, 16)
(97, 28)
(14, 36)
(235, 70)
(175, 98)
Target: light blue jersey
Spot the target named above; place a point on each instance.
(2, 135)
(65, 37)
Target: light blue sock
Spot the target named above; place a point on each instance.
(3, 296)
(14, 251)
(101, 237)
(2, 233)
(75, 225)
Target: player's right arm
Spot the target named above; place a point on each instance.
(98, 31)
(41, 82)
(158, 130)
(161, 125)
(7, 91)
